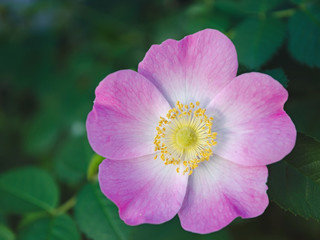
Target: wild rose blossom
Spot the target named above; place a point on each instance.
(184, 135)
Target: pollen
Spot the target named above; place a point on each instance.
(184, 137)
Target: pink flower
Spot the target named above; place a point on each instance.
(185, 136)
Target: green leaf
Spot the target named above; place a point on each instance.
(54, 228)
(279, 75)
(297, 1)
(294, 184)
(97, 216)
(199, 16)
(305, 157)
(6, 233)
(71, 162)
(244, 7)
(302, 1)
(195, 18)
(256, 41)
(169, 27)
(194, 23)
(42, 132)
(173, 230)
(27, 189)
(304, 36)
(293, 191)
(3, 219)
(105, 222)
(299, 109)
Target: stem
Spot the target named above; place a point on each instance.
(31, 217)
(66, 206)
(284, 13)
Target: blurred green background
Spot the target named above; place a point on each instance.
(53, 53)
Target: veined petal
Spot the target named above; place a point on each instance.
(219, 191)
(125, 115)
(193, 69)
(144, 189)
(252, 127)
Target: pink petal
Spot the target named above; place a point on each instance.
(125, 115)
(219, 191)
(253, 129)
(144, 189)
(193, 69)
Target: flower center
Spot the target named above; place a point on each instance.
(184, 137)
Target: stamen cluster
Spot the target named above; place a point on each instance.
(184, 137)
